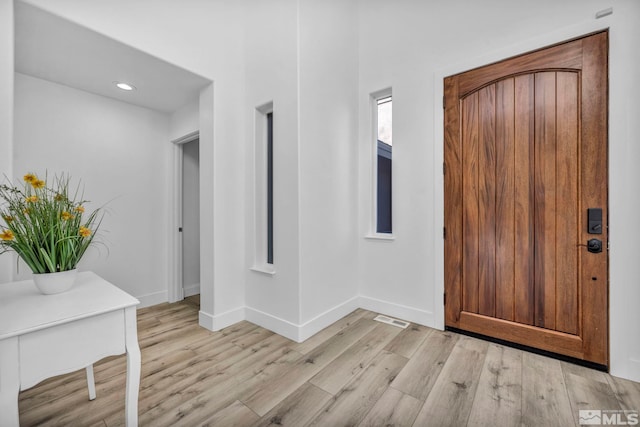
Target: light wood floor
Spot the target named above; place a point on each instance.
(357, 372)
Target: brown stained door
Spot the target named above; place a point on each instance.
(526, 155)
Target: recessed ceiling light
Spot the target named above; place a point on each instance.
(124, 86)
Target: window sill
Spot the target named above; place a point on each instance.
(264, 269)
(380, 236)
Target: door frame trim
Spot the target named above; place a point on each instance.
(176, 290)
(572, 32)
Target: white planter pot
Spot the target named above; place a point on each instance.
(55, 283)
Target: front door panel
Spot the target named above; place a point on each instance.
(525, 150)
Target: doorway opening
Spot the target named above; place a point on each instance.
(188, 219)
(191, 218)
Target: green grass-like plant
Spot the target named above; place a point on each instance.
(46, 225)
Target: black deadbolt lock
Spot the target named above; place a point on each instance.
(594, 221)
(594, 246)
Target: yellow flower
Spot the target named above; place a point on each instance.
(59, 197)
(84, 231)
(7, 218)
(30, 178)
(66, 216)
(32, 199)
(38, 183)
(7, 235)
(80, 209)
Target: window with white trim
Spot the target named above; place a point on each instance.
(263, 188)
(383, 148)
(269, 171)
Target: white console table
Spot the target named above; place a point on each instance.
(46, 335)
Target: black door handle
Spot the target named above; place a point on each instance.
(594, 246)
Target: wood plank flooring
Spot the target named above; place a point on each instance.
(356, 372)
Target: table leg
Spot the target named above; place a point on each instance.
(133, 367)
(9, 382)
(91, 383)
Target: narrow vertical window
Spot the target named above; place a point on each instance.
(270, 188)
(263, 187)
(384, 149)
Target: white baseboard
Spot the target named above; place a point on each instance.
(273, 323)
(403, 312)
(191, 290)
(318, 323)
(301, 332)
(205, 320)
(152, 299)
(222, 320)
(627, 368)
(633, 373)
(280, 326)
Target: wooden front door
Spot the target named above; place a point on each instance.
(525, 156)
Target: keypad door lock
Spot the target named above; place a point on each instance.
(594, 221)
(594, 246)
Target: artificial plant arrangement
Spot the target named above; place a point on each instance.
(46, 225)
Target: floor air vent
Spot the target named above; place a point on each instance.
(391, 321)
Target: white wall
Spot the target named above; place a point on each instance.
(308, 69)
(271, 71)
(624, 198)
(185, 120)
(328, 59)
(191, 218)
(206, 38)
(417, 43)
(397, 41)
(120, 153)
(6, 111)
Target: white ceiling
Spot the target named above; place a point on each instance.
(54, 49)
